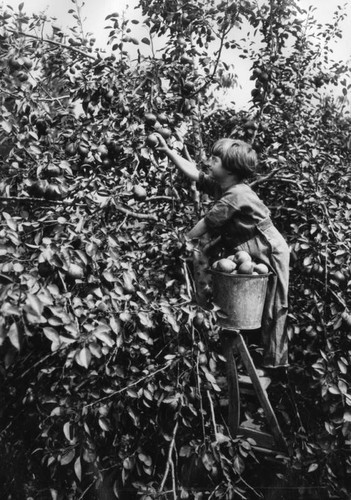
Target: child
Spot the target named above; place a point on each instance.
(243, 222)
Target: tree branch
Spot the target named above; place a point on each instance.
(266, 177)
(137, 382)
(118, 207)
(49, 99)
(169, 457)
(341, 197)
(287, 209)
(57, 44)
(135, 214)
(10, 199)
(158, 198)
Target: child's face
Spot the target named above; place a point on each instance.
(217, 171)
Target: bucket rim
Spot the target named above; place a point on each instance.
(240, 276)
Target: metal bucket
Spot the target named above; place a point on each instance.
(241, 299)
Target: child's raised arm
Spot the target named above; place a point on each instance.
(186, 166)
(198, 230)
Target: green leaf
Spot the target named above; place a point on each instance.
(342, 386)
(128, 463)
(115, 325)
(78, 468)
(146, 459)
(10, 222)
(342, 367)
(148, 395)
(67, 430)
(185, 451)
(104, 424)
(35, 149)
(6, 126)
(84, 357)
(238, 464)
(172, 321)
(144, 336)
(312, 467)
(95, 349)
(221, 438)
(207, 461)
(5, 280)
(51, 334)
(145, 320)
(67, 456)
(307, 261)
(89, 455)
(13, 335)
(106, 339)
(35, 304)
(109, 276)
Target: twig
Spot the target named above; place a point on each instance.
(79, 15)
(174, 486)
(118, 207)
(287, 209)
(121, 224)
(48, 99)
(167, 365)
(42, 200)
(176, 194)
(212, 416)
(43, 359)
(49, 96)
(86, 490)
(335, 295)
(158, 198)
(266, 177)
(287, 180)
(200, 397)
(169, 457)
(9, 93)
(196, 195)
(210, 78)
(53, 42)
(258, 495)
(341, 197)
(329, 221)
(134, 214)
(187, 279)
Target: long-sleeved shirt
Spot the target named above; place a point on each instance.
(236, 212)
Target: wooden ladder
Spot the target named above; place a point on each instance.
(275, 442)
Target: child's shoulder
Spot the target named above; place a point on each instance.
(242, 194)
(240, 188)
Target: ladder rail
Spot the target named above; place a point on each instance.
(227, 340)
(233, 340)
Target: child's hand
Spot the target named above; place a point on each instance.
(162, 144)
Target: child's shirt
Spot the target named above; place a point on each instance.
(236, 212)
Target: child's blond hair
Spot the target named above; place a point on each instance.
(238, 157)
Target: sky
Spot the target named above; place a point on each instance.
(95, 12)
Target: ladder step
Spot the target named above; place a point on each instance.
(257, 382)
(245, 382)
(246, 385)
(263, 440)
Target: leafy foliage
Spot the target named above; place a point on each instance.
(108, 366)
